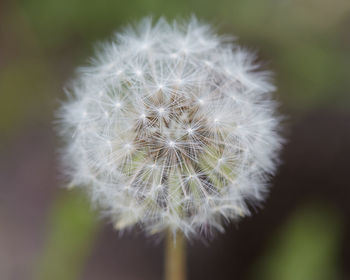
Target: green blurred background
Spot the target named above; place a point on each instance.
(303, 232)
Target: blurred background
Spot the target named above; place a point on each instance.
(303, 231)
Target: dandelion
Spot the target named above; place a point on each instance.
(171, 127)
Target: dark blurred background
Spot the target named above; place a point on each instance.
(303, 231)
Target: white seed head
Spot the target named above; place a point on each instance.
(172, 126)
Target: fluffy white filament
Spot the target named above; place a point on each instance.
(171, 126)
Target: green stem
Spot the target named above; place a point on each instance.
(175, 257)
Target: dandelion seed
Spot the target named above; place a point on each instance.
(171, 144)
(138, 72)
(189, 131)
(128, 146)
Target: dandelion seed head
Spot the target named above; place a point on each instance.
(171, 126)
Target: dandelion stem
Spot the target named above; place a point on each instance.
(175, 257)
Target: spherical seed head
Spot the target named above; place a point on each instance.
(171, 127)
